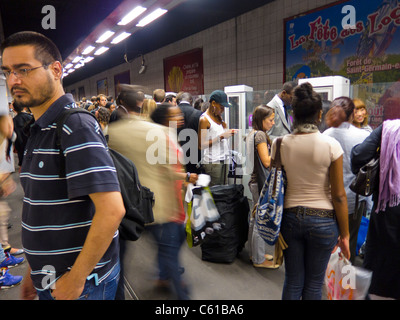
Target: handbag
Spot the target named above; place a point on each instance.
(268, 215)
(366, 180)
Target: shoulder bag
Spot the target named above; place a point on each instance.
(269, 209)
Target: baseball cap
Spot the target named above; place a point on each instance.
(220, 97)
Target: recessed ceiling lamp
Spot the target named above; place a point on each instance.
(68, 66)
(88, 59)
(101, 51)
(76, 59)
(151, 17)
(120, 37)
(132, 15)
(105, 36)
(88, 50)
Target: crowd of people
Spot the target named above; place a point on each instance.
(80, 246)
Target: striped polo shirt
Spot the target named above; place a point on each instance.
(57, 212)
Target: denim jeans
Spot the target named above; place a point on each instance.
(310, 241)
(2, 254)
(170, 237)
(103, 291)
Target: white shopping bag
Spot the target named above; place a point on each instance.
(343, 281)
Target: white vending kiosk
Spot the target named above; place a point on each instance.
(236, 117)
(331, 87)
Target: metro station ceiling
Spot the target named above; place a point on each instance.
(77, 20)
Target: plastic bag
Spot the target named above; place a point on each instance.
(343, 281)
(202, 216)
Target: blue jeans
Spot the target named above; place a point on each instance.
(103, 291)
(310, 241)
(2, 254)
(170, 237)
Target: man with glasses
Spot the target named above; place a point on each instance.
(69, 225)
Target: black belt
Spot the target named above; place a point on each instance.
(323, 213)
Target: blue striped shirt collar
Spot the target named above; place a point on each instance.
(51, 114)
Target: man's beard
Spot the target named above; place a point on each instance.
(28, 101)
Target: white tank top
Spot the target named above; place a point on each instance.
(219, 150)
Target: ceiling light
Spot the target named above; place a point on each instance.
(69, 65)
(88, 50)
(77, 59)
(88, 59)
(79, 65)
(100, 51)
(120, 37)
(105, 36)
(70, 71)
(151, 17)
(132, 15)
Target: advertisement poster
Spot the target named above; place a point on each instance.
(356, 39)
(184, 72)
(102, 87)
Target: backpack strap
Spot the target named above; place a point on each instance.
(61, 119)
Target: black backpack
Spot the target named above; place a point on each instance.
(138, 199)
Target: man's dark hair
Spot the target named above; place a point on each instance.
(289, 86)
(45, 50)
(130, 96)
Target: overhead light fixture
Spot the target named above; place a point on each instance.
(101, 51)
(105, 36)
(132, 15)
(77, 59)
(70, 71)
(88, 50)
(68, 66)
(79, 65)
(88, 59)
(151, 17)
(120, 37)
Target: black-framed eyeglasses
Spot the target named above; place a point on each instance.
(21, 72)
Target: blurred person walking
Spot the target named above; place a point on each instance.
(171, 235)
(146, 144)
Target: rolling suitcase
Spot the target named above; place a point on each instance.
(223, 245)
